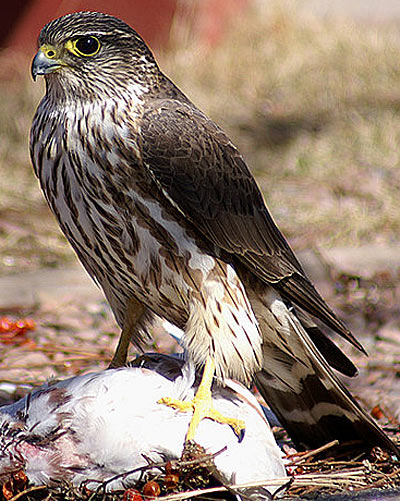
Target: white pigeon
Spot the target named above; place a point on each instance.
(102, 424)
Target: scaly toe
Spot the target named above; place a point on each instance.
(180, 405)
(203, 408)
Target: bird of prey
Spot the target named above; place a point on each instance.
(97, 426)
(166, 217)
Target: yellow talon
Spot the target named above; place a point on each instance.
(202, 406)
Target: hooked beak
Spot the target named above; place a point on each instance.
(42, 64)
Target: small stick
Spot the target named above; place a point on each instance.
(27, 491)
(314, 452)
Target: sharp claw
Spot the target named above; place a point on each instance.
(202, 406)
(241, 434)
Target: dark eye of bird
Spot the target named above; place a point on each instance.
(88, 46)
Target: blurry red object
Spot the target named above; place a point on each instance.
(377, 412)
(15, 484)
(132, 495)
(207, 19)
(14, 331)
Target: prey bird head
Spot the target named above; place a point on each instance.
(87, 53)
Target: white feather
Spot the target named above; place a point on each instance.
(106, 421)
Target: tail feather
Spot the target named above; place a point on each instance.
(328, 349)
(297, 383)
(301, 292)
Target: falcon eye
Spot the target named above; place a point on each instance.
(84, 46)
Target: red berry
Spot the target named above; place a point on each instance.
(20, 479)
(8, 490)
(171, 467)
(171, 481)
(30, 324)
(6, 325)
(151, 489)
(132, 495)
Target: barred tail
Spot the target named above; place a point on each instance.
(300, 387)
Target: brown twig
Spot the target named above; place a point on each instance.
(305, 455)
(27, 491)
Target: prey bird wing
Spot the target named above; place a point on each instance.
(202, 173)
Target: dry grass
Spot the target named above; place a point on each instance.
(196, 478)
(314, 106)
(29, 237)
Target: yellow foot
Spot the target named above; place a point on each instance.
(202, 406)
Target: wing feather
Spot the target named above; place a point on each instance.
(202, 173)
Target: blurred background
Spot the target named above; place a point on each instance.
(308, 90)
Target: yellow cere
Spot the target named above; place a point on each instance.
(49, 51)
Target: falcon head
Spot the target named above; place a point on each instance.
(91, 53)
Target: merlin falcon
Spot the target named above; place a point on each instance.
(167, 219)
